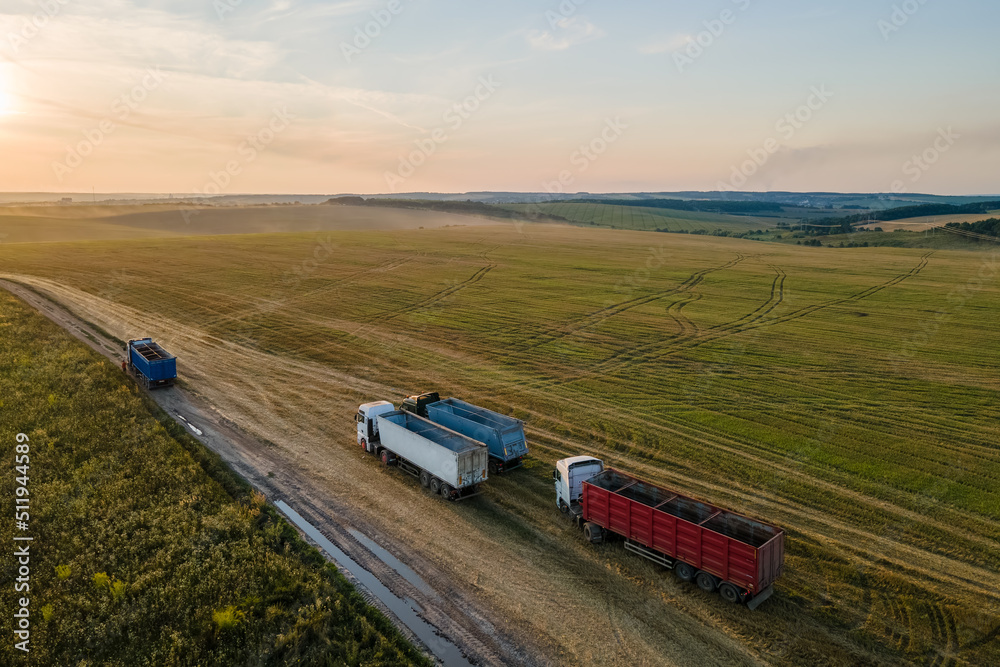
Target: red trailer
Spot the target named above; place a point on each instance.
(719, 550)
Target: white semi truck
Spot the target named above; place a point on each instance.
(569, 476)
(446, 462)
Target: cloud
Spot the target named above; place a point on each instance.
(567, 32)
(669, 45)
(281, 9)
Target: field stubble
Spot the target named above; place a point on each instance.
(756, 376)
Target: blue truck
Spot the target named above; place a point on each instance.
(152, 366)
(503, 435)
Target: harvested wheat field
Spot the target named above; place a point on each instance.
(848, 396)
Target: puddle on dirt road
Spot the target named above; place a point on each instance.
(407, 611)
(393, 562)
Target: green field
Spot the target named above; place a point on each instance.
(848, 396)
(641, 218)
(146, 550)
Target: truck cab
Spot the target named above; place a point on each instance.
(418, 404)
(367, 419)
(569, 476)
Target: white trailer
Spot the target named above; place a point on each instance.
(446, 462)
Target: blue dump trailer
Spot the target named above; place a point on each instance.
(503, 435)
(151, 365)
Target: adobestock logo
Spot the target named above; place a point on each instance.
(365, 35)
(121, 108)
(921, 163)
(587, 154)
(454, 118)
(787, 126)
(900, 16)
(699, 43)
(31, 27)
(249, 150)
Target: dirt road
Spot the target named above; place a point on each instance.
(281, 477)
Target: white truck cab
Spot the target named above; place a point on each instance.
(368, 424)
(569, 476)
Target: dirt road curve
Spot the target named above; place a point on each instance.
(280, 476)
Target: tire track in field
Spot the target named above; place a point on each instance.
(683, 322)
(625, 355)
(773, 301)
(759, 321)
(943, 636)
(439, 296)
(597, 317)
(267, 306)
(443, 294)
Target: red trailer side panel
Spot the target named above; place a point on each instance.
(715, 554)
(664, 533)
(619, 514)
(742, 566)
(688, 543)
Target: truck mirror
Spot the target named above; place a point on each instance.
(555, 475)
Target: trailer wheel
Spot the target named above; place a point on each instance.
(593, 533)
(435, 485)
(706, 582)
(446, 491)
(684, 571)
(425, 478)
(385, 457)
(729, 593)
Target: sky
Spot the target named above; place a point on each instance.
(359, 96)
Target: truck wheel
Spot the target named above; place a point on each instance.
(492, 468)
(364, 445)
(729, 593)
(593, 533)
(706, 582)
(435, 485)
(425, 478)
(446, 491)
(684, 571)
(385, 457)
(563, 507)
